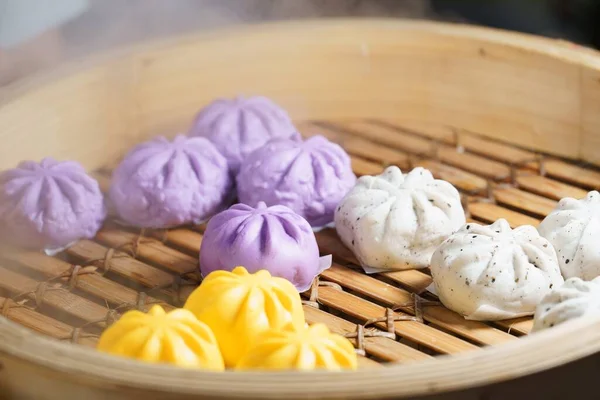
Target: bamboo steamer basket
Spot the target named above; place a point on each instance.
(511, 120)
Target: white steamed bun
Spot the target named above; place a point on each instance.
(573, 228)
(494, 272)
(395, 221)
(574, 299)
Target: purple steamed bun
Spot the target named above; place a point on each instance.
(162, 183)
(49, 205)
(272, 238)
(239, 126)
(309, 177)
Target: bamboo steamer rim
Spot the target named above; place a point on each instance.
(542, 350)
(494, 364)
(556, 48)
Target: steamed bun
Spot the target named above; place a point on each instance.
(163, 183)
(574, 299)
(272, 238)
(395, 221)
(49, 205)
(239, 126)
(494, 272)
(310, 177)
(573, 228)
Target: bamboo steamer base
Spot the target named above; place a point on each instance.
(401, 332)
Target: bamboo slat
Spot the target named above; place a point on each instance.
(120, 263)
(185, 240)
(365, 167)
(427, 129)
(413, 280)
(329, 243)
(380, 347)
(134, 272)
(390, 137)
(515, 198)
(473, 163)
(567, 172)
(396, 297)
(357, 146)
(547, 187)
(422, 147)
(498, 151)
(52, 295)
(184, 266)
(374, 152)
(149, 250)
(366, 363)
(488, 213)
(465, 181)
(521, 325)
(41, 323)
(83, 278)
(417, 332)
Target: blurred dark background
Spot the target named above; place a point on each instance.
(39, 34)
(575, 20)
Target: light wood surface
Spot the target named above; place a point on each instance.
(477, 107)
(511, 87)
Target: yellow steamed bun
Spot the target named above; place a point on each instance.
(175, 338)
(239, 306)
(310, 348)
